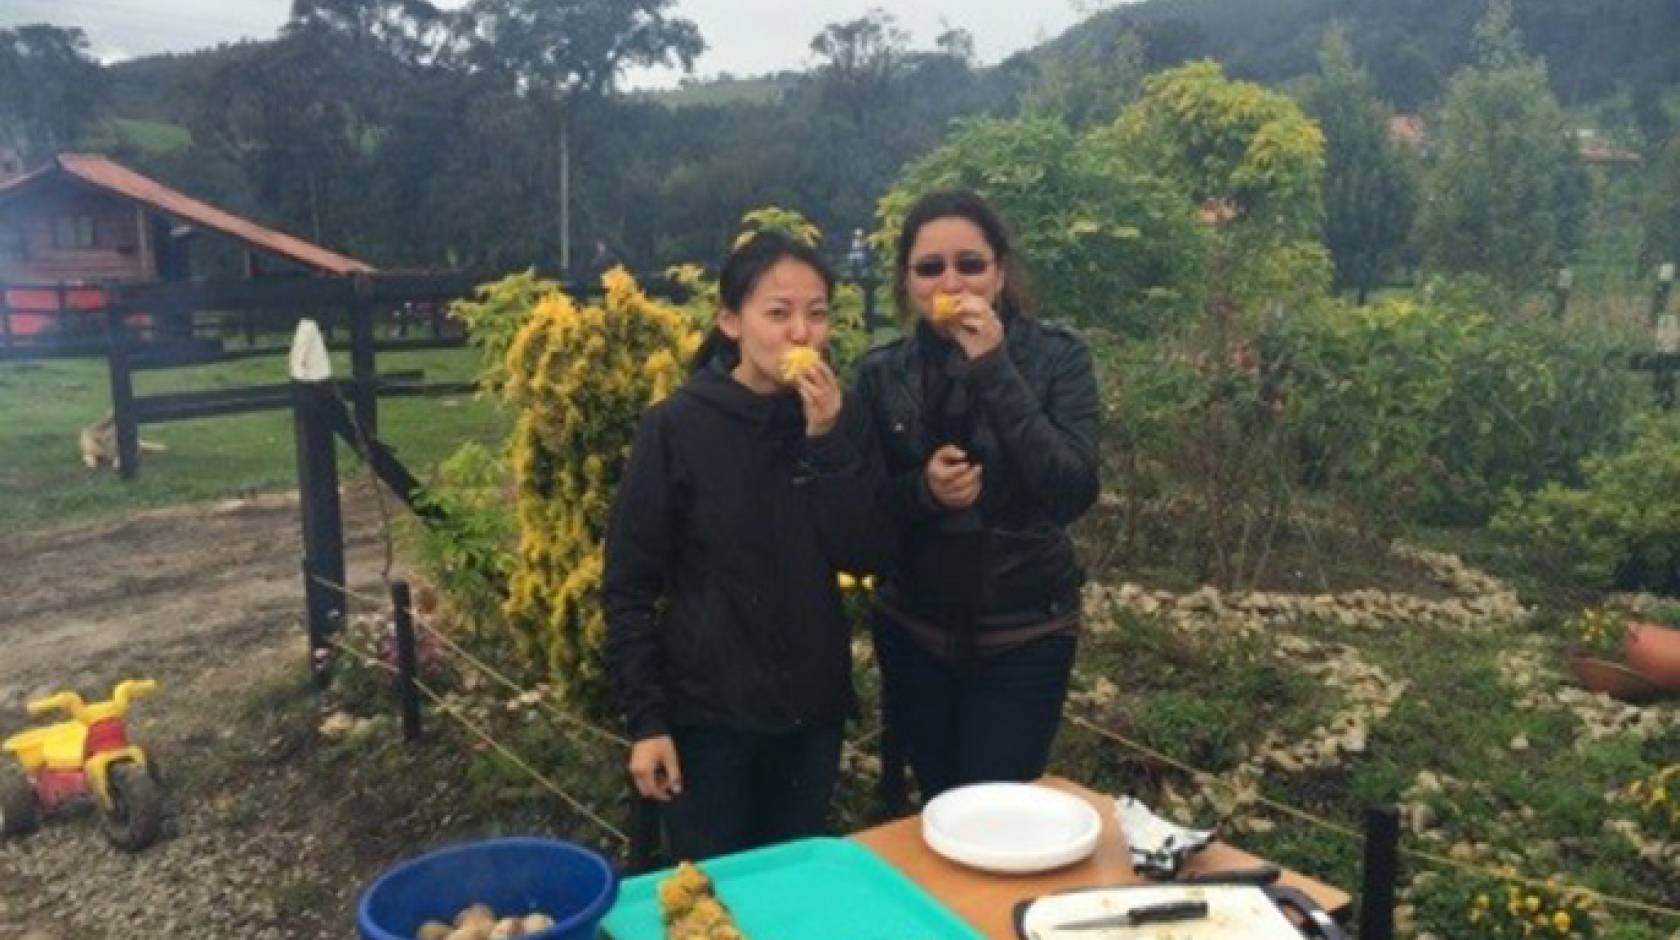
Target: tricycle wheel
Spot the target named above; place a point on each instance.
(136, 815)
(19, 815)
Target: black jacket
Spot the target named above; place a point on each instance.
(727, 532)
(1029, 415)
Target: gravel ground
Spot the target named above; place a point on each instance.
(206, 600)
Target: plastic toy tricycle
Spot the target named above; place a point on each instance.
(89, 755)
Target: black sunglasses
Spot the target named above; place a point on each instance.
(968, 264)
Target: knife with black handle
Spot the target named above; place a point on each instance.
(1167, 912)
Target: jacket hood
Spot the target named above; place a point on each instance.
(777, 414)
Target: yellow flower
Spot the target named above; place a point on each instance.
(1561, 921)
(1532, 904)
(620, 286)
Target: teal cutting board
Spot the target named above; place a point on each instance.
(813, 889)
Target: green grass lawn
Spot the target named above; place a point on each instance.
(43, 406)
(150, 136)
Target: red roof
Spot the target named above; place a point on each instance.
(112, 177)
(1598, 151)
(1408, 129)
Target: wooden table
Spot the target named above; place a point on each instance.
(987, 901)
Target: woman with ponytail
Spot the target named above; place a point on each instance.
(747, 492)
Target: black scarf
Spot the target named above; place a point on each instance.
(949, 559)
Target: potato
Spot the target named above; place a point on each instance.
(946, 307)
(434, 930)
(508, 927)
(477, 930)
(798, 360)
(536, 922)
(475, 915)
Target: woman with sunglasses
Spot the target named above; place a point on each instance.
(988, 426)
(747, 491)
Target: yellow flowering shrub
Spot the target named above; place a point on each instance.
(579, 378)
(788, 222)
(1484, 907)
(1657, 798)
(1599, 632)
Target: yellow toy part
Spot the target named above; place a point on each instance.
(121, 698)
(60, 746)
(99, 771)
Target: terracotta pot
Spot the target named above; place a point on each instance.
(1614, 679)
(1654, 651)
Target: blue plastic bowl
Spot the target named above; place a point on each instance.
(518, 876)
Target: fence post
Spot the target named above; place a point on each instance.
(408, 695)
(317, 467)
(363, 372)
(5, 316)
(1665, 284)
(122, 388)
(1382, 873)
(1560, 292)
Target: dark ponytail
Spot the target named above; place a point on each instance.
(742, 269)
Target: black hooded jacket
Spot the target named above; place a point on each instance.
(727, 533)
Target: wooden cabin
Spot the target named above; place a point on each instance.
(83, 222)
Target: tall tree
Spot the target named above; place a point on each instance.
(301, 118)
(1368, 189)
(412, 32)
(1662, 219)
(554, 52)
(861, 63)
(51, 90)
(1254, 165)
(1495, 193)
(1089, 79)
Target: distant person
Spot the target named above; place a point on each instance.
(604, 260)
(857, 259)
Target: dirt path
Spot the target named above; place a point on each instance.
(168, 589)
(207, 600)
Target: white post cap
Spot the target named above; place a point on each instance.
(309, 361)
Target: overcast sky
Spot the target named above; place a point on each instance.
(744, 37)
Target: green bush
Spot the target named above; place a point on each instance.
(469, 549)
(1419, 411)
(1621, 529)
(1107, 244)
(1195, 455)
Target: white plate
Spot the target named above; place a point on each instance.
(1010, 827)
